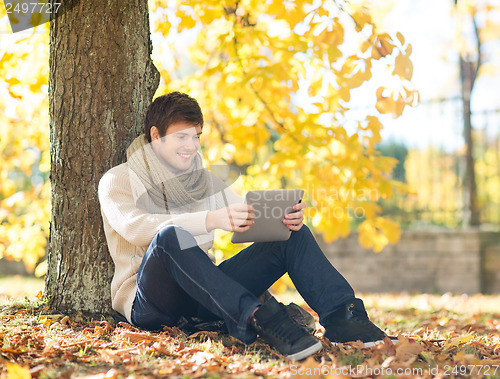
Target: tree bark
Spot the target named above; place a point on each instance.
(469, 69)
(471, 209)
(101, 81)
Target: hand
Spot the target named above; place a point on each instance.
(295, 220)
(234, 218)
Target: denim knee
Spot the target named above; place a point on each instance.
(300, 241)
(303, 232)
(174, 238)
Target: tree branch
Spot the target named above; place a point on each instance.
(257, 94)
(478, 49)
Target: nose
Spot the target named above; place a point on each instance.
(192, 145)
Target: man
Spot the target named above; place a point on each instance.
(160, 210)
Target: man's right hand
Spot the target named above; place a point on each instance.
(233, 218)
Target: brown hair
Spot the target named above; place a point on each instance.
(169, 109)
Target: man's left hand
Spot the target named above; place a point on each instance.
(295, 220)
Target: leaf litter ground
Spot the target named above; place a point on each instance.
(440, 336)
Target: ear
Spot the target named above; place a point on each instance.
(155, 134)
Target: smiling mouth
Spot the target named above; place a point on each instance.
(184, 156)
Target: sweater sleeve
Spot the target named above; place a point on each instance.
(134, 224)
(224, 195)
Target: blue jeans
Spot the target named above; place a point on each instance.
(172, 282)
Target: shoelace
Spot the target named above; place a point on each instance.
(285, 328)
(357, 312)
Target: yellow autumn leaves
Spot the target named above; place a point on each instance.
(275, 81)
(24, 147)
(15, 371)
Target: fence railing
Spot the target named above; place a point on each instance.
(436, 172)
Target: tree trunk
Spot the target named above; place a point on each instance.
(469, 69)
(471, 210)
(101, 81)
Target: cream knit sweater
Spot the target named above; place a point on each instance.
(129, 230)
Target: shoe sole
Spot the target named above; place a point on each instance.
(367, 345)
(306, 352)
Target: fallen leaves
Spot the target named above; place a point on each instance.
(456, 341)
(99, 350)
(14, 371)
(407, 350)
(433, 341)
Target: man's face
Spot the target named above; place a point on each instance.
(179, 146)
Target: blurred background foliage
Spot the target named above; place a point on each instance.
(277, 82)
(24, 145)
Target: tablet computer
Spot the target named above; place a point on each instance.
(270, 207)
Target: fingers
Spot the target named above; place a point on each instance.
(300, 206)
(242, 207)
(240, 229)
(243, 222)
(293, 217)
(241, 217)
(294, 221)
(242, 212)
(297, 213)
(246, 225)
(295, 227)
